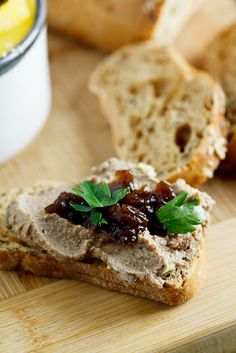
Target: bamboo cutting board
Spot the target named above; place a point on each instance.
(45, 315)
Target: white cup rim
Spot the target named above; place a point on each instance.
(15, 55)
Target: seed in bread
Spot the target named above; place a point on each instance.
(162, 111)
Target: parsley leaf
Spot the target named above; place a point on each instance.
(81, 208)
(180, 216)
(100, 195)
(96, 218)
(97, 196)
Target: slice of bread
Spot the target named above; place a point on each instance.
(162, 111)
(169, 269)
(219, 61)
(109, 24)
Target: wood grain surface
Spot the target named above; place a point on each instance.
(44, 315)
(67, 316)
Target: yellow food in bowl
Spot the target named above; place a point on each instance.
(16, 20)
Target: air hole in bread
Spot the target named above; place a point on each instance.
(150, 114)
(166, 285)
(199, 134)
(139, 134)
(209, 103)
(93, 261)
(185, 97)
(182, 136)
(186, 259)
(134, 147)
(141, 158)
(133, 90)
(163, 111)
(159, 87)
(151, 130)
(167, 275)
(134, 121)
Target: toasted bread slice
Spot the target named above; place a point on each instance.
(162, 111)
(169, 269)
(220, 61)
(109, 24)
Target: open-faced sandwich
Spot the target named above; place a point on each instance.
(122, 229)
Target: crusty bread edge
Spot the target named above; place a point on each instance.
(39, 263)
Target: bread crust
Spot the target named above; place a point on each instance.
(119, 22)
(22, 258)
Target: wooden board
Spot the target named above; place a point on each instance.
(75, 317)
(43, 315)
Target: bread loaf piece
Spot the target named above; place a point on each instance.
(162, 111)
(169, 268)
(220, 62)
(109, 24)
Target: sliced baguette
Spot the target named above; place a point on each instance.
(109, 24)
(162, 111)
(172, 284)
(220, 62)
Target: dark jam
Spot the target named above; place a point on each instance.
(134, 213)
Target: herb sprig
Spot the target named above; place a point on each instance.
(97, 196)
(181, 217)
(178, 215)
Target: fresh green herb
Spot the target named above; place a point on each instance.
(97, 196)
(81, 208)
(96, 218)
(181, 217)
(100, 195)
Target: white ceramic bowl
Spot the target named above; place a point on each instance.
(25, 92)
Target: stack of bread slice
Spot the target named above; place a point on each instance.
(162, 111)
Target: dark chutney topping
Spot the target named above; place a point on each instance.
(134, 213)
